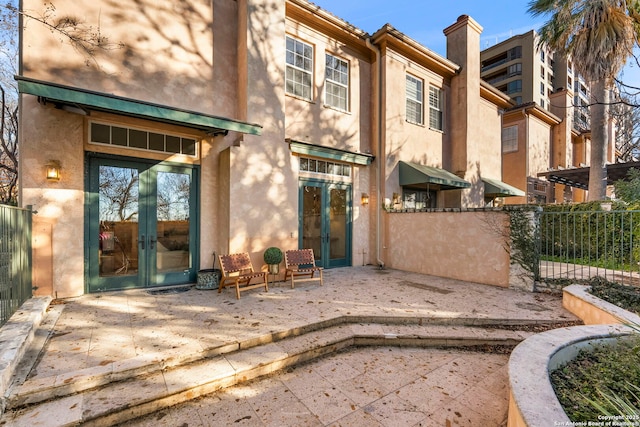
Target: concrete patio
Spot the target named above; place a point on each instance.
(370, 347)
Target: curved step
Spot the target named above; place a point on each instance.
(112, 394)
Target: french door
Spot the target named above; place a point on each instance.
(141, 224)
(325, 222)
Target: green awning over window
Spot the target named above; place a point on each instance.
(85, 100)
(414, 173)
(329, 153)
(496, 188)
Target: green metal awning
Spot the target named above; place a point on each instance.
(85, 100)
(414, 173)
(329, 153)
(497, 188)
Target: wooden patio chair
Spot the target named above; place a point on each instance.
(300, 264)
(237, 271)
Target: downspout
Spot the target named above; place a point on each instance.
(526, 143)
(380, 157)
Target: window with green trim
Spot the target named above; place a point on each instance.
(100, 133)
(324, 167)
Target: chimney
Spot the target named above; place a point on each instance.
(465, 120)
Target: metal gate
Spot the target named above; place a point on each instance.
(15, 259)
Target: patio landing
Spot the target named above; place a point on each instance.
(112, 357)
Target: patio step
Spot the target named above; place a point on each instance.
(108, 395)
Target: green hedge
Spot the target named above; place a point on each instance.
(588, 234)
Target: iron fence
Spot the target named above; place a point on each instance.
(586, 244)
(15, 259)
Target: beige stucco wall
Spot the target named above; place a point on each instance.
(463, 245)
(535, 143)
(487, 141)
(315, 122)
(403, 140)
(514, 163)
(159, 50)
(49, 134)
(538, 146)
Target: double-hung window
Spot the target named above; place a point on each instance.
(299, 74)
(435, 108)
(510, 139)
(336, 82)
(414, 100)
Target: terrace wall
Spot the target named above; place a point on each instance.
(465, 245)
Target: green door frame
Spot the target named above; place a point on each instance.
(147, 275)
(323, 258)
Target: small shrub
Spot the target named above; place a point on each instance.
(604, 370)
(272, 255)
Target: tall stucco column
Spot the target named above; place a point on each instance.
(262, 187)
(463, 48)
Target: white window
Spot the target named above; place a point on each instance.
(299, 74)
(510, 139)
(435, 108)
(337, 82)
(414, 100)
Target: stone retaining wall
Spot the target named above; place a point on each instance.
(533, 359)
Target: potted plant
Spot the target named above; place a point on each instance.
(273, 258)
(209, 278)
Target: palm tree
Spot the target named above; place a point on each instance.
(599, 35)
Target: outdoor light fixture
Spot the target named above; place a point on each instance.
(365, 199)
(396, 198)
(53, 170)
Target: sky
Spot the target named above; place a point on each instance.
(424, 20)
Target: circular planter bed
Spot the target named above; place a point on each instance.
(533, 360)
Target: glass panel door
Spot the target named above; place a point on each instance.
(325, 222)
(140, 225)
(338, 223)
(173, 223)
(118, 214)
(311, 232)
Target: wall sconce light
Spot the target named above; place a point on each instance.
(53, 170)
(396, 198)
(365, 199)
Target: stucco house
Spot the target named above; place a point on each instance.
(222, 127)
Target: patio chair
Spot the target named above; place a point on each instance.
(300, 264)
(237, 271)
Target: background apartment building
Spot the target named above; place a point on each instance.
(548, 127)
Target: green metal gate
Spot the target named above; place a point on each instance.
(15, 259)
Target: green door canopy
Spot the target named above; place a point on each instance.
(329, 153)
(496, 188)
(414, 173)
(83, 100)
